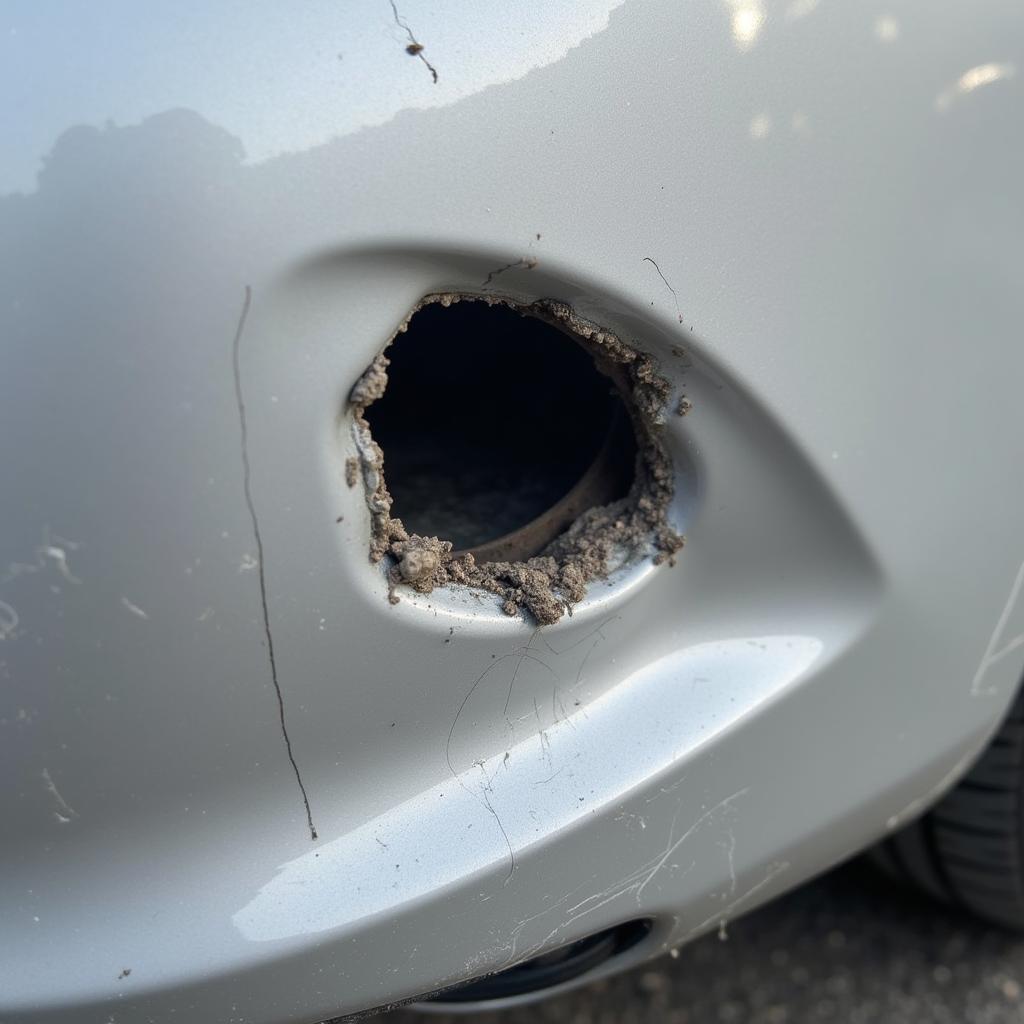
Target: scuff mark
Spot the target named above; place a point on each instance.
(258, 538)
(674, 845)
(52, 549)
(638, 879)
(609, 895)
(64, 812)
(993, 652)
(8, 620)
(518, 930)
(60, 559)
(675, 297)
(133, 608)
(526, 262)
(415, 47)
(730, 854)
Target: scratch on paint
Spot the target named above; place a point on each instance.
(64, 812)
(134, 608)
(993, 652)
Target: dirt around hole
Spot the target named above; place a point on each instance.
(548, 584)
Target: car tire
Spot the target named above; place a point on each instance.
(968, 850)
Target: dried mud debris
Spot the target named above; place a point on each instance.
(548, 585)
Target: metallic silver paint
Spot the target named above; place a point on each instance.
(833, 191)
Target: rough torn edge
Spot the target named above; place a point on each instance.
(548, 585)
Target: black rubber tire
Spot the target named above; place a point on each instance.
(968, 850)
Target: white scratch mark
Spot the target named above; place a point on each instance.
(60, 559)
(635, 882)
(8, 620)
(205, 614)
(248, 563)
(631, 883)
(588, 906)
(134, 608)
(64, 813)
(52, 549)
(993, 652)
(730, 853)
(518, 930)
(674, 845)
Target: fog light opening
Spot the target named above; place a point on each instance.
(551, 969)
(498, 431)
(522, 452)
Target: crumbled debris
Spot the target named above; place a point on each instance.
(547, 585)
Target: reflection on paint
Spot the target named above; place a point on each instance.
(476, 821)
(973, 78)
(887, 28)
(285, 79)
(746, 21)
(760, 126)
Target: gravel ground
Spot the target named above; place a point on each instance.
(849, 947)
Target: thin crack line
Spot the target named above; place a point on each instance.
(415, 47)
(528, 262)
(523, 655)
(247, 484)
(508, 842)
(647, 259)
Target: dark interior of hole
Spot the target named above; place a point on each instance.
(489, 418)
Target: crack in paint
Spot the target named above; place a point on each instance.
(257, 536)
(415, 47)
(647, 259)
(527, 262)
